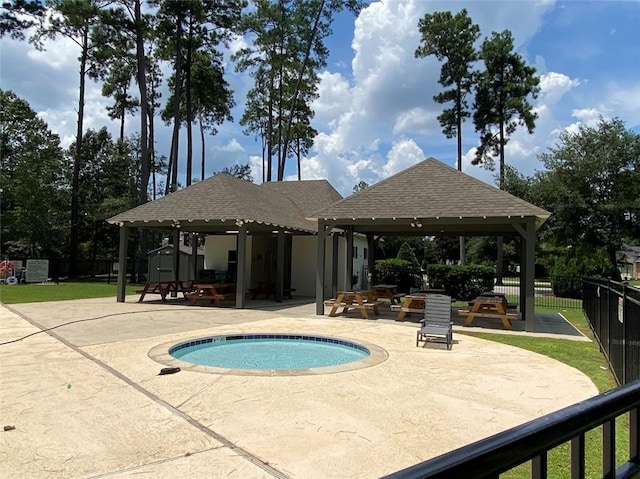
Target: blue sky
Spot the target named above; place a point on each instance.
(375, 114)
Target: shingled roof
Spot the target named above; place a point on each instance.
(206, 205)
(431, 197)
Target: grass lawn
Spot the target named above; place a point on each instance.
(585, 357)
(30, 293)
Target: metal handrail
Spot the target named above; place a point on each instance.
(490, 457)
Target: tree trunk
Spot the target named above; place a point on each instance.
(310, 40)
(202, 170)
(144, 140)
(463, 253)
(188, 100)
(75, 181)
(173, 158)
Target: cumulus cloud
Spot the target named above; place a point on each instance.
(231, 147)
(554, 85)
(403, 154)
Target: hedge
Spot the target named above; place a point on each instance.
(399, 272)
(461, 282)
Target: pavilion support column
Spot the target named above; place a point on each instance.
(241, 256)
(523, 276)
(530, 280)
(349, 257)
(335, 251)
(122, 264)
(176, 257)
(194, 256)
(279, 293)
(320, 260)
(527, 272)
(371, 259)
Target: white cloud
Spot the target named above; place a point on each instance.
(554, 85)
(334, 96)
(414, 120)
(233, 146)
(403, 154)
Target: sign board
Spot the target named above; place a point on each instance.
(620, 309)
(37, 270)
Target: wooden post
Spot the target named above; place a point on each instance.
(122, 264)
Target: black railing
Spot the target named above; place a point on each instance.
(613, 312)
(490, 457)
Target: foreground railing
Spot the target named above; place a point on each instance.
(490, 457)
(613, 312)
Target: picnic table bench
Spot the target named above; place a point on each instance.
(215, 293)
(348, 300)
(164, 288)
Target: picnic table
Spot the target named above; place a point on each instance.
(214, 292)
(389, 291)
(348, 300)
(411, 303)
(164, 288)
(489, 307)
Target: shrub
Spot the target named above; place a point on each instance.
(569, 269)
(399, 272)
(406, 253)
(461, 282)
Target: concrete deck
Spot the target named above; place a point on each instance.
(87, 401)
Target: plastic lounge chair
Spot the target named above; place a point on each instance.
(436, 325)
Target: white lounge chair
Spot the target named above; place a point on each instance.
(436, 325)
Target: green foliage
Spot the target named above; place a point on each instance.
(592, 187)
(577, 263)
(284, 58)
(399, 272)
(450, 38)
(501, 103)
(34, 214)
(406, 253)
(461, 282)
(17, 16)
(242, 172)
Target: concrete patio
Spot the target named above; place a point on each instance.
(86, 399)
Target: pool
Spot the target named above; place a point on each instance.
(273, 354)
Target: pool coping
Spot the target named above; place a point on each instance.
(160, 354)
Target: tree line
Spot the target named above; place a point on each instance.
(54, 201)
(127, 44)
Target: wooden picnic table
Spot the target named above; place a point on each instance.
(411, 303)
(489, 307)
(348, 300)
(214, 292)
(389, 291)
(164, 288)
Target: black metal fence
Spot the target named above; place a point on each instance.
(490, 457)
(613, 312)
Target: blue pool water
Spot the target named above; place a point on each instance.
(269, 351)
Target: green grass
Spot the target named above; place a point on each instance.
(587, 358)
(30, 293)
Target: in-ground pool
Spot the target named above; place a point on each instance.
(272, 354)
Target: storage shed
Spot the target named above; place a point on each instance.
(160, 264)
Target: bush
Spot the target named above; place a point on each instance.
(461, 282)
(569, 269)
(399, 272)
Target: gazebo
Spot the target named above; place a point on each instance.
(431, 198)
(224, 205)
